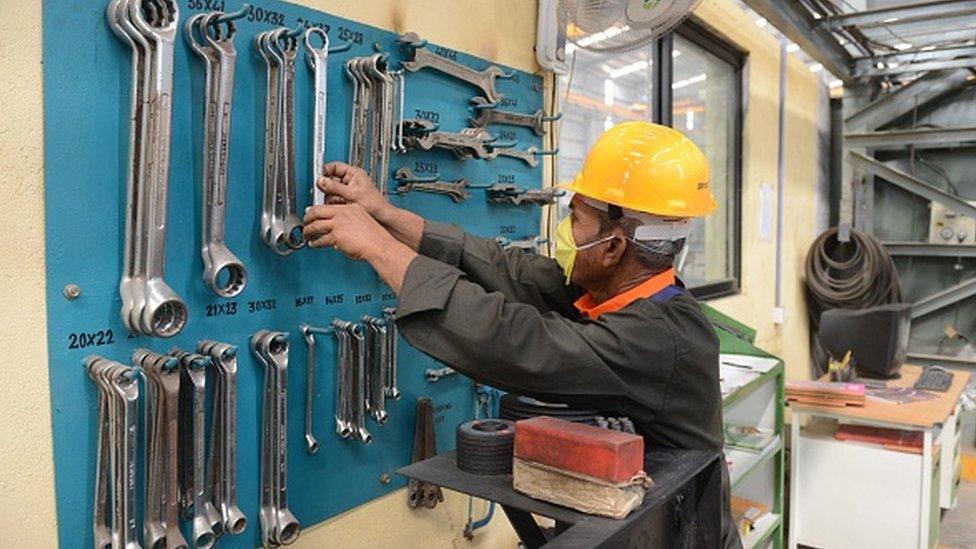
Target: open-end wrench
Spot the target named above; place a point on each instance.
(311, 444)
(164, 313)
(219, 55)
(433, 375)
(530, 155)
(318, 63)
(422, 134)
(420, 57)
(407, 182)
(488, 114)
(505, 193)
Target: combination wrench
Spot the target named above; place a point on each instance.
(318, 63)
(419, 57)
(216, 50)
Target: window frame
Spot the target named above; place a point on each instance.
(698, 34)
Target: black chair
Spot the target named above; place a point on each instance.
(877, 337)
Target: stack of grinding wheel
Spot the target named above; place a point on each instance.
(484, 446)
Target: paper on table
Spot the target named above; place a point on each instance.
(732, 378)
(756, 363)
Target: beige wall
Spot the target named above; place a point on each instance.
(754, 305)
(499, 29)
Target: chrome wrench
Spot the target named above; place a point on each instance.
(291, 225)
(392, 334)
(318, 63)
(101, 525)
(488, 114)
(270, 175)
(219, 56)
(165, 313)
(223, 481)
(377, 363)
(311, 444)
(420, 57)
(530, 156)
(343, 401)
(127, 393)
(358, 393)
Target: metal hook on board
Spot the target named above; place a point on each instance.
(233, 16)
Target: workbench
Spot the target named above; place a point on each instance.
(858, 494)
(682, 508)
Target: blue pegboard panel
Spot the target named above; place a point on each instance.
(86, 102)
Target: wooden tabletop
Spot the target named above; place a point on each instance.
(923, 414)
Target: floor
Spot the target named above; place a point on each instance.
(959, 525)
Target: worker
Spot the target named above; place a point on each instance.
(606, 324)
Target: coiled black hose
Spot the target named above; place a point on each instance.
(857, 274)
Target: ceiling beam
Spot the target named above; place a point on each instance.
(792, 19)
(908, 13)
(910, 183)
(916, 56)
(924, 66)
(925, 249)
(892, 106)
(935, 138)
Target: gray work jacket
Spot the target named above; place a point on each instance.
(506, 318)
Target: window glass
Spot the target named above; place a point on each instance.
(704, 108)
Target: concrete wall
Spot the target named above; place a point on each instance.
(501, 29)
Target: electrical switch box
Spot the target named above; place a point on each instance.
(950, 227)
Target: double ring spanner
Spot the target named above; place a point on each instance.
(149, 305)
(351, 381)
(278, 525)
(214, 44)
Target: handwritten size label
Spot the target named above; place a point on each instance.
(439, 411)
(446, 53)
(84, 340)
(334, 299)
(508, 102)
(507, 229)
(425, 167)
(349, 35)
(304, 301)
(389, 297)
(364, 298)
(221, 309)
(305, 23)
(431, 116)
(209, 5)
(506, 178)
(507, 135)
(261, 305)
(263, 15)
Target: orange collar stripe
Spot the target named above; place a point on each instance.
(646, 289)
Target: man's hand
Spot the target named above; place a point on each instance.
(345, 184)
(351, 230)
(347, 228)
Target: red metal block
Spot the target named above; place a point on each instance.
(607, 455)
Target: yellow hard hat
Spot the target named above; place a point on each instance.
(648, 168)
